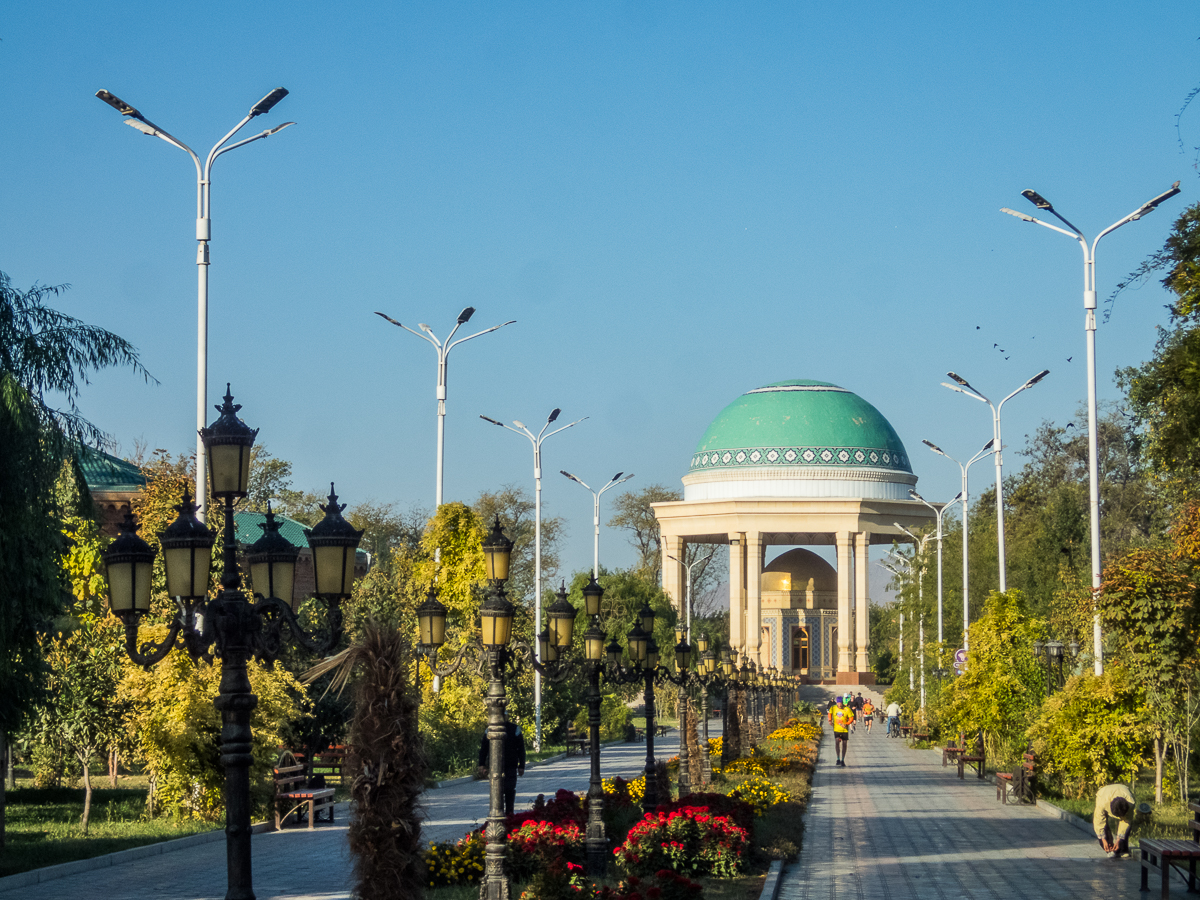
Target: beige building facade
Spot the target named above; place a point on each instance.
(795, 464)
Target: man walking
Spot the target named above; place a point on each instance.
(841, 717)
(514, 762)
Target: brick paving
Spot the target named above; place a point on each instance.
(893, 824)
(298, 864)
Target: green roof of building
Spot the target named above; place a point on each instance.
(104, 472)
(800, 423)
(248, 530)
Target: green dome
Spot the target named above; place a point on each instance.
(801, 424)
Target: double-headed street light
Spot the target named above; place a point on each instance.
(1089, 325)
(497, 651)
(443, 349)
(612, 483)
(537, 440)
(231, 625)
(987, 448)
(938, 511)
(963, 387)
(203, 236)
(688, 589)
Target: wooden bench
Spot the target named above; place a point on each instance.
(905, 731)
(1195, 821)
(951, 750)
(1161, 855)
(293, 793)
(1019, 781)
(576, 745)
(332, 760)
(974, 757)
(917, 738)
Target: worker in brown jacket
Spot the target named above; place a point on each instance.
(1115, 801)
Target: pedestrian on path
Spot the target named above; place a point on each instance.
(868, 711)
(841, 717)
(514, 762)
(893, 719)
(1113, 800)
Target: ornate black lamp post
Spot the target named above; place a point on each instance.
(1051, 654)
(681, 678)
(595, 840)
(233, 625)
(706, 674)
(496, 649)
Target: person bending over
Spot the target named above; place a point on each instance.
(1116, 802)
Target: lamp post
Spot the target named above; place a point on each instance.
(612, 482)
(1051, 653)
(706, 673)
(595, 840)
(918, 572)
(231, 626)
(987, 448)
(688, 591)
(203, 236)
(963, 387)
(497, 651)
(443, 348)
(938, 511)
(537, 440)
(1089, 326)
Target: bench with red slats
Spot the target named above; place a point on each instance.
(1161, 855)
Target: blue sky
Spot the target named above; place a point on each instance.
(677, 202)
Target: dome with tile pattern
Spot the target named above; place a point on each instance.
(802, 439)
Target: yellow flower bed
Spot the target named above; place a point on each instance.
(797, 732)
(636, 788)
(714, 747)
(761, 793)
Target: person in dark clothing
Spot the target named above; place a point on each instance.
(514, 761)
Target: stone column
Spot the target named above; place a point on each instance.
(845, 662)
(737, 594)
(862, 614)
(672, 572)
(754, 567)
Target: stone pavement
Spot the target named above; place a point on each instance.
(316, 865)
(893, 824)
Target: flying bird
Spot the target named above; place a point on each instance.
(1069, 358)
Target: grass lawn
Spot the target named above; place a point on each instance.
(43, 825)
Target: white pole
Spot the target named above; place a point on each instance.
(966, 563)
(596, 495)
(203, 236)
(688, 596)
(536, 441)
(1089, 306)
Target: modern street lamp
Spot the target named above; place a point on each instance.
(612, 482)
(688, 591)
(495, 648)
(963, 387)
(443, 349)
(1089, 326)
(938, 511)
(987, 448)
(231, 625)
(916, 571)
(537, 440)
(203, 236)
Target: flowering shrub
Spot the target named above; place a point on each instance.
(559, 880)
(535, 845)
(566, 806)
(794, 731)
(714, 747)
(737, 811)
(690, 839)
(761, 793)
(633, 790)
(459, 862)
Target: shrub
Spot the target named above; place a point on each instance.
(455, 862)
(738, 811)
(794, 731)
(559, 880)
(1091, 733)
(690, 839)
(761, 793)
(534, 846)
(615, 718)
(667, 885)
(634, 790)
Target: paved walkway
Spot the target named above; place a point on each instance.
(893, 824)
(298, 864)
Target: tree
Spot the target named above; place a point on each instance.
(516, 510)
(633, 513)
(42, 352)
(1151, 609)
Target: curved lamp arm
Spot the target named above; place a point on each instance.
(149, 653)
(276, 616)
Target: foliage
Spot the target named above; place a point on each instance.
(43, 353)
(664, 885)
(516, 510)
(559, 879)
(690, 840)
(1091, 733)
(178, 730)
(534, 844)
(618, 788)
(796, 731)
(615, 717)
(760, 792)
(455, 862)
(1001, 690)
(388, 768)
